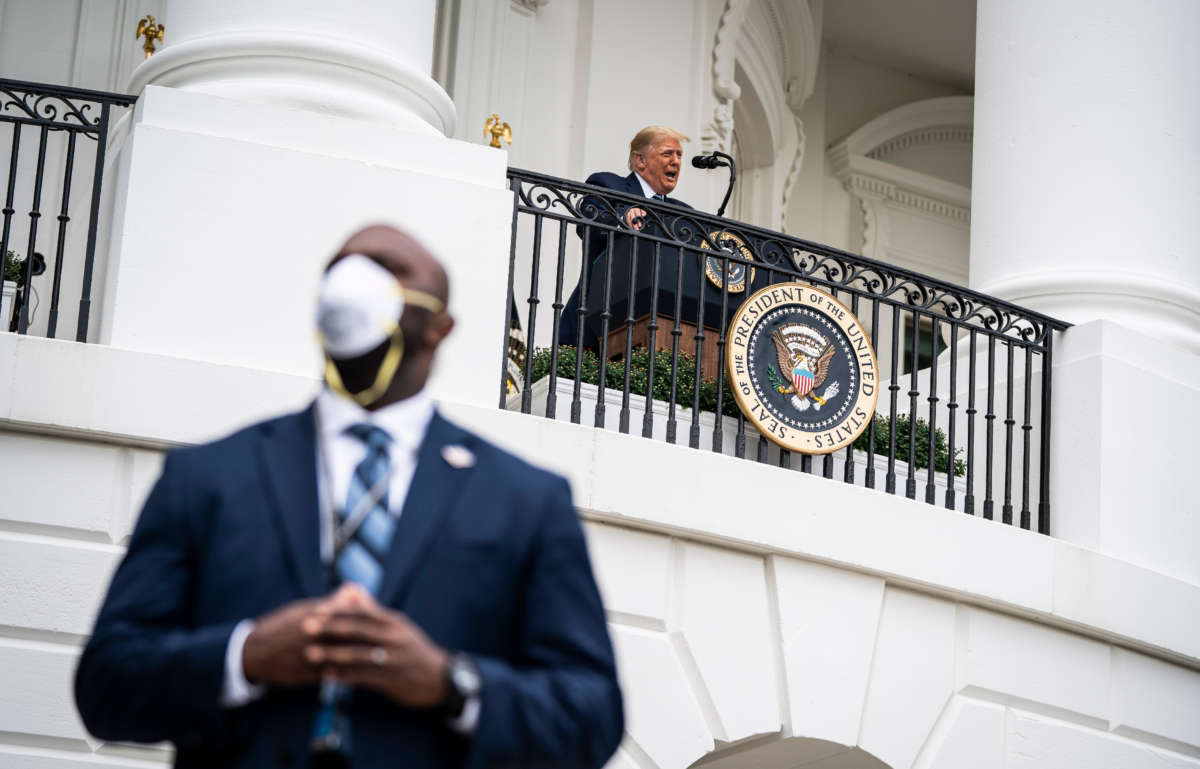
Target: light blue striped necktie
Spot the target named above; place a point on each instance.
(363, 557)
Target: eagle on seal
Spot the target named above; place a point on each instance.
(804, 357)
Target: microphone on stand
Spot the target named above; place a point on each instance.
(716, 160)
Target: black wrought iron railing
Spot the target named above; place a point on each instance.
(965, 379)
(57, 140)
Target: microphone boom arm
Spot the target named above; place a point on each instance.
(732, 178)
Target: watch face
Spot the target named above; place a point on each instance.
(464, 676)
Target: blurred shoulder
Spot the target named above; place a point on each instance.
(235, 448)
(504, 467)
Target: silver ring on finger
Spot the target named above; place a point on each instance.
(379, 656)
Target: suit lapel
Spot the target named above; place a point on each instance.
(287, 458)
(436, 487)
(633, 186)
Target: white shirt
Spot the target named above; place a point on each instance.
(406, 422)
(338, 453)
(647, 190)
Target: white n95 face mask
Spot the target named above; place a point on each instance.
(358, 308)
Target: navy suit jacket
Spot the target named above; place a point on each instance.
(489, 560)
(597, 242)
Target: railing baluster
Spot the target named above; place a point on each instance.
(605, 316)
(848, 464)
(1007, 509)
(648, 416)
(763, 441)
(623, 424)
(63, 218)
(676, 332)
(89, 256)
(989, 418)
(951, 407)
(869, 476)
(894, 388)
(533, 302)
(580, 323)
(930, 471)
(694, 434)
(910, 483)
(1026, 429)
(969, 498)
(560, 268)
(1044, 474)
(718, 442)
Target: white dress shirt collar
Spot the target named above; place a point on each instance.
(405, 421)
(647, 190)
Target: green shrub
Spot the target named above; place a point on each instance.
(941, 450)
(13, 265)
(639, 365)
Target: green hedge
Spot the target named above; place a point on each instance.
(614, 376)
(13, 264)
(685, 379)
(941, 450)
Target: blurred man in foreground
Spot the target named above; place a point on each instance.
(362, 584)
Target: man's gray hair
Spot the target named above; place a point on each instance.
(649, 137)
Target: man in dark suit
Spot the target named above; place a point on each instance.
(467, 629)
(655, 160)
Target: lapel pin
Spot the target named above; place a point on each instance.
(458, 457)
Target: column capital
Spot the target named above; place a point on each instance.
(272, 53)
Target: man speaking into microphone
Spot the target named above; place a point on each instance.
(655, 161)
(361, 584)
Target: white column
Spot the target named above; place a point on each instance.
(1086, 206)
(368, 59)
(265, 133)
(1086, 187)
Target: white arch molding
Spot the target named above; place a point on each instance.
(765, 56)
(900, 168)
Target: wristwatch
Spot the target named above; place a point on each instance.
(462, 684)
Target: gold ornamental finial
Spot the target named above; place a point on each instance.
(497, 130)
(152, 31)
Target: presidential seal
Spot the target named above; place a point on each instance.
(802, 368)
(735, 274)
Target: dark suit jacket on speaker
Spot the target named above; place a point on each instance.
(597, 242)
(488, 559)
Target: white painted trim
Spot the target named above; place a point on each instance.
(943, 112)
(1112, 283)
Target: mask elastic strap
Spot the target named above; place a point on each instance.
(421, 299)
(383, 377)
